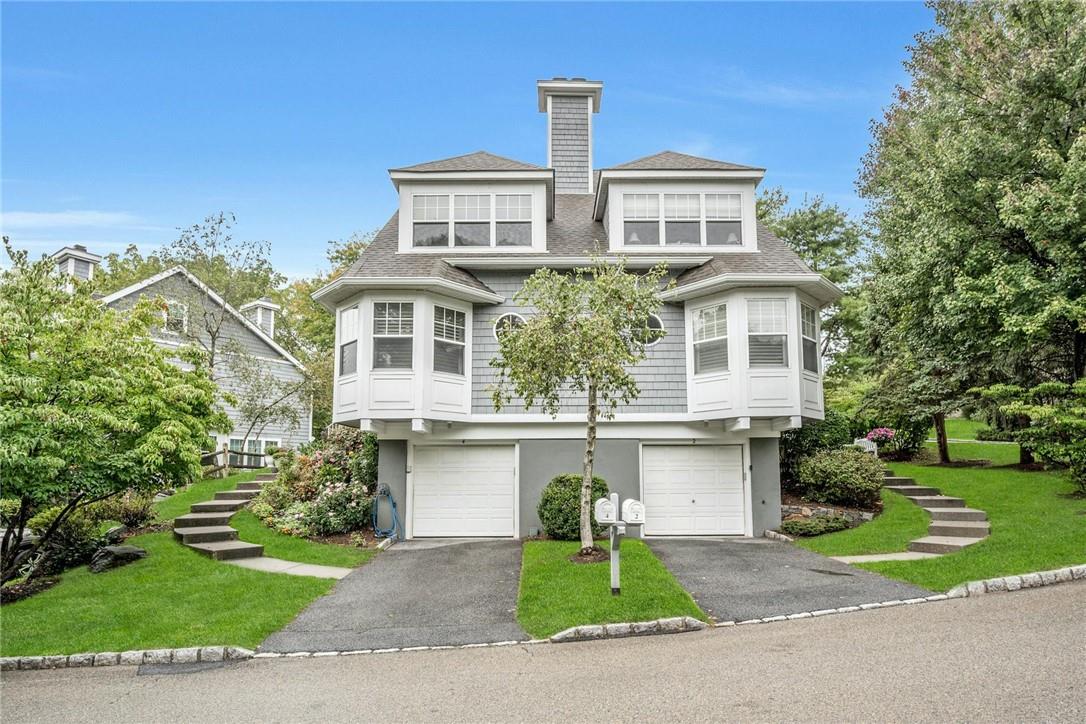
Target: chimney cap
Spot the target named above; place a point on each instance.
(78, 251)
(559, 86)
(264, 302)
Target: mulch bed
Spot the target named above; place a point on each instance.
(598, 555)
(18, 591)
(344, 539)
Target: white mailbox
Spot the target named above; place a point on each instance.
(605, 511)
(633, 512)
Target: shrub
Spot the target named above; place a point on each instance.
(881, 435)
(275, 496)
(560, 506)
(73, 543)
(842, 477)
(814, 526)
(987, 434)
(132, 509)
(339, 507)
(832, 432)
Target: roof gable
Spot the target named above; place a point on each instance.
(477, 161)
(675, 161)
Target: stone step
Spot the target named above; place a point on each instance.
(266, 477)
(218, 506)
(229, 549)
(959, 528)
(940, 544)
(911, 491)
(250, 486)
(888, 472)
(895, 480)
(237, 494)
(197, 520)
(936, 501)
(956, 514)
(205, 534)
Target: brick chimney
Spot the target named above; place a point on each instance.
(261, 312)
(569, 104)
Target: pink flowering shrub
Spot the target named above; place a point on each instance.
(881, 435)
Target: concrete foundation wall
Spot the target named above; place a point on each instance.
(392, 471)
(616, 462)
(765, 484)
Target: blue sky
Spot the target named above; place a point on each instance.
(122, 122)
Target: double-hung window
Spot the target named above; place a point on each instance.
(711, 339)
(682, 219)
(393, 335)
(641, 219)
(767, 332)
(431, 220)
(809, 332)
(471, 219)
(723, 220)
(348, 335)
(449, 340)
(513, 215)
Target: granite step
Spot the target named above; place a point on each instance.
(936, 501)
(237, 494)
(891, 480)
(255, 485)
(956, 514)
(205, 534)
(940, 544)
(218, 506)
(199, 520)
(959, 528)
(229, 549)
(912, 491)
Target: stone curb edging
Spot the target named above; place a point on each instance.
(775, 535)
(675, 624)
(358, 652)
(829, 611)
(189, 655)
(1006, 584)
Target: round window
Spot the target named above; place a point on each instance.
(656, 330)
(507, 322)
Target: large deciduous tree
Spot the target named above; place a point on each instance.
(586, 331)
(977, 185)
(89, 404)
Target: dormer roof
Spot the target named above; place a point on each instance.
(477, 161)
(675, 161)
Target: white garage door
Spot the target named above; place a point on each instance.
(693, 490)
(466, 490)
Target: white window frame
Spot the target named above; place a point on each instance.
(503, 316)
(804, 309)
(695, 313)
(375, 336)
(663, 328)
(783, 333)
(631, 214)
(462, 342)
(491, 214)
(416, 207)
(348, 333)
(703, 219)
(184, 317)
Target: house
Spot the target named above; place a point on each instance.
(196, 314)
(419, 314)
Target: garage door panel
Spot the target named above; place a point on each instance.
(693, 490)
(463, 491)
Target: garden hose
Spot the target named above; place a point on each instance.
(393, 531)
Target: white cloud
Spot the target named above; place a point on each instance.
(71, 219)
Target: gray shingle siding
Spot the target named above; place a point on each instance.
(661, 376)
(570, 144)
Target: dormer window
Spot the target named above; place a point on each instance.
(477, 220)
(472, 219)
(688, 220)
(514, 219)
(431, 216)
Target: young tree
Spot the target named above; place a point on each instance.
(587, 330)
(89, 405)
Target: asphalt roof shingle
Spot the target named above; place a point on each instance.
(674, 161)
(477, 161)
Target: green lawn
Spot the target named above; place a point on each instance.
(174, 597)
(996, 452)
(180, 502)
(1035, 524)
(900, 522)
(289, 548)
(960, 428)
(556, 594)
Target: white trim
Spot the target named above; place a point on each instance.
(550, 148)
(608, 175)
(593, 89)
(724, 282)
(131, 289)
(453, 289)
(494, 328)
(663, 328)
(596, 100)
(556, 262)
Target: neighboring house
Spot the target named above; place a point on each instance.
(417, 320)
(192, 309)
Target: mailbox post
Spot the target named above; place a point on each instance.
(607, 513)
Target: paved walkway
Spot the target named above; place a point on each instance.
(743, 578)
(1000, 657)
(278, 565)
(423, 595)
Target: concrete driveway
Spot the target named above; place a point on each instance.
(418, 593)
(740, 579)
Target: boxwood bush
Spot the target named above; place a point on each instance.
(560, 506)
(832, 432)
(814, 526)
(842, 477)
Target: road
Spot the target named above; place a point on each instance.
(1015, 656)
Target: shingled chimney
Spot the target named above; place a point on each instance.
(569, 104)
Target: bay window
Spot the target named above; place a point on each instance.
(393, 331)
(711, 339)
(767, 332)
(449, 340)
(809, 334)
(348, 335)
(431, 220)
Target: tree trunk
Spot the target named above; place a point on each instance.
(1079, 356)
(939, 418)
(586, 481)
(1025, 455)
